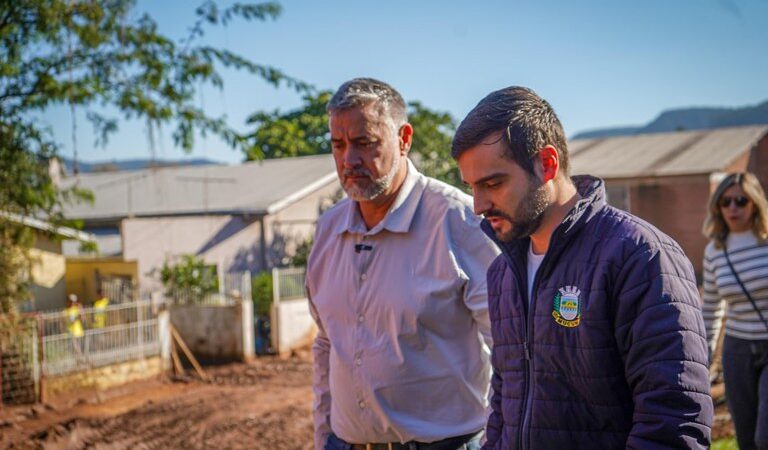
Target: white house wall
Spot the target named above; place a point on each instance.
(296, 222)
(230, 242)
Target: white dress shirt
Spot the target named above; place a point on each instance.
(402, 351)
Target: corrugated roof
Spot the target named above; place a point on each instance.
(663, 154)
(258, 187)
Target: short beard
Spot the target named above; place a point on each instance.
(529, 213)
(377, 187)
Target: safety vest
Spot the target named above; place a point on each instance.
(74, 325)
(100, 312)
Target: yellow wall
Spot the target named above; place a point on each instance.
(81, 274)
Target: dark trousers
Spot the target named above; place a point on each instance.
(745, 370)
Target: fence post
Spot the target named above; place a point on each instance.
(246, 319)
(40, 360)
(140, 326)
(164, 335)
(274, 313)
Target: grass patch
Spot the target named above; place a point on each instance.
(725, 444)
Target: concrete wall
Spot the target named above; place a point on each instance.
(103, 377)
(292, 326)
(81, 274)
(216, 333)
(48, 269)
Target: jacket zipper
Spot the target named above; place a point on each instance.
(525, 435)
(521, 442)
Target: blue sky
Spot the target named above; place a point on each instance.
(600, 63)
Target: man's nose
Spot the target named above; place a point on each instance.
(480, 203)
(351, 158)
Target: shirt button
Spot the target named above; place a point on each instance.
(360, 319)
(361, 404)
(363, 277)
(358, 362)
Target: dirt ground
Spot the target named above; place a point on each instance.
(265, 404)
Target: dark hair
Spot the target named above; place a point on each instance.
(364, 91)
(527, 122)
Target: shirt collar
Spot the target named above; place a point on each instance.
(400, 215)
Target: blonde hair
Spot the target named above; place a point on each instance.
(715, 227)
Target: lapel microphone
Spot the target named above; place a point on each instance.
(361, 247)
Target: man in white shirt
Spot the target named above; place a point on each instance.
(396, 281)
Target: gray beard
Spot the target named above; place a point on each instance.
(376, 188)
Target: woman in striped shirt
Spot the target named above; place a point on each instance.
(736, 280)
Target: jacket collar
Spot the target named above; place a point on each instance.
(592, 192)
(400, 215)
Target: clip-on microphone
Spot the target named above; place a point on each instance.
(360, 247)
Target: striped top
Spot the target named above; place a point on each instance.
(750, 259)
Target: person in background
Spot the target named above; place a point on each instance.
(73, 318)
(736, 286)
(100, 309)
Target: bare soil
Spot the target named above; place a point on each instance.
(264, 404)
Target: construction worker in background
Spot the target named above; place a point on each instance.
(100, 309)
(73, 315)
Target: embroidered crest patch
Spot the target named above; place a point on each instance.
(566, 310)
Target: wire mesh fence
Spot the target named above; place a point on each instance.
(19, 368)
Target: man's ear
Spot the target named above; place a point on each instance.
(405, 136)
(548, 162)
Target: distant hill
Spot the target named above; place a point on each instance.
(131, 164)
(689, 119)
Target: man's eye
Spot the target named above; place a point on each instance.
(492, 184)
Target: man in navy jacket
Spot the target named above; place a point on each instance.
(596, 323)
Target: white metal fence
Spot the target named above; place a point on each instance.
(233, 287)
(288, 283)
(115, 334)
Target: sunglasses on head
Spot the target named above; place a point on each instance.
(739, 201)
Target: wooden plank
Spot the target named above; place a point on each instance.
(189, 354)
(178, 368)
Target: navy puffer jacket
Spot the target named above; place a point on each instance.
(612, 352)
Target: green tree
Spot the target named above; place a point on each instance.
(432, 135)
(304, 131)
(190, 280)
(301, 255)
(100, 55)
(261, 290)
(300, 132)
